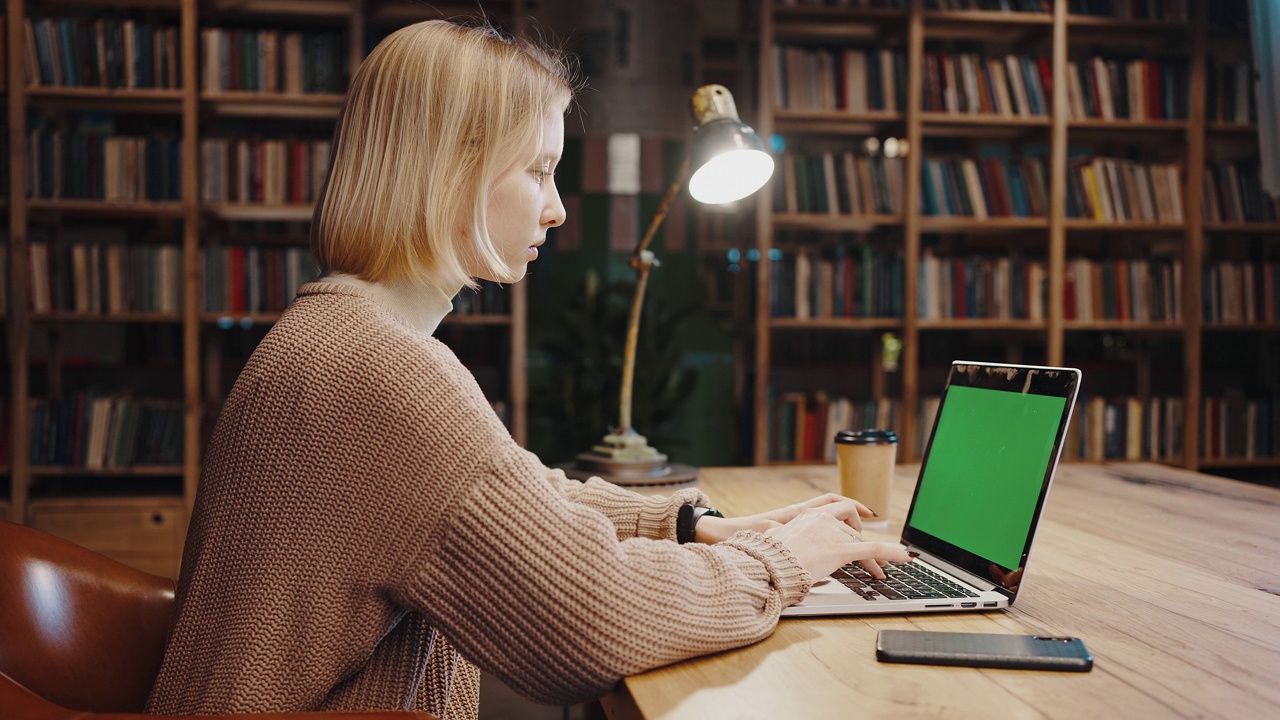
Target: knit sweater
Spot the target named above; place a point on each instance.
(366, 529)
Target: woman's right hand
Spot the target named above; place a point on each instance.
(823, 542)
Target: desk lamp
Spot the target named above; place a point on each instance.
(729, 163)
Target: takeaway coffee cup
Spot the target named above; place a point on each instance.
(865, 460)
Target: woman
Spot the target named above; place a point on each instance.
(366, 529)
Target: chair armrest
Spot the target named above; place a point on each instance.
(19, 703)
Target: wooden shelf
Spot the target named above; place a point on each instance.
(456, 319)
(397, 12)
(982, 324)
(135, 470)
(985, 119)
(72, 316)
(835, 323)
(333, 10)
(301, 106)
(1242, 227)
(987, 17)
(1240, 327)
(836, 122)
(948, 224)
(108, 208)
(788, 15)
(172, 5)
(1233, 462)
(833, 223)
(1230, 127)
(294, 212)
(141, 100)
(1123, 125)
(1085, 225)
(1121, 326)
(1093, 22)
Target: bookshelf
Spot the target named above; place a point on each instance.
(183, 251)
(1078, 185)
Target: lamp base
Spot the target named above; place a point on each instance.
(628, 472)
(625, 458)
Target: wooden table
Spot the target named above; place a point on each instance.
(1172, 578)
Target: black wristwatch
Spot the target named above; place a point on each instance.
(687, 521)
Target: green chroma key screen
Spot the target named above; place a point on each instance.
(985, 470)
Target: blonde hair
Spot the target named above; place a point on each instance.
(434, 115)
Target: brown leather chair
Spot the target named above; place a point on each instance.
(81, 635)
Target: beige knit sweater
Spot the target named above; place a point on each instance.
(366, 529)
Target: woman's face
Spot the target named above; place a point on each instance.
(524, 203)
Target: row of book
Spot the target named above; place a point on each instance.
(804, 424)
(842, 281)
(111, 278)
(242, 279)
(1229, 95)
(1241, 292)
(97, 431)
(969, 83)
(1101, 428)
(1148, 290)
(253, 169)
(1131, 90)
(840, 183)
(93, 163)
(1117, 190)
(1167, 10)
(272, 62)
(984, 187)
(1236, 426)
(1233, 193)
(994, 288)
(105, 52)
(1125, 428)
(840, 79)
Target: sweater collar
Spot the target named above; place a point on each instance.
(422, 308)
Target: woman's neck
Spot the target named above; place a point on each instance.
(422, 306)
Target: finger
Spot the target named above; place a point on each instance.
(847, 511)
(873, 567)
(871, 554)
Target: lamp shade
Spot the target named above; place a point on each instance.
(728, 161)
(727, 158)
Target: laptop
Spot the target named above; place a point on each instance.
(983, 481)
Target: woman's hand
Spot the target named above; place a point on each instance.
(823, 534)
(712, 530)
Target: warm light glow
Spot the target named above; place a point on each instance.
(731, 176)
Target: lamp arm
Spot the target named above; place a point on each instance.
(643, 261)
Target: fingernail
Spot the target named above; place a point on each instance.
(874, 513)
(913, 553)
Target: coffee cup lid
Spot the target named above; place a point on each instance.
(866, 437)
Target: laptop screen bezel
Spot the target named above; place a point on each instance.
(1049, 381)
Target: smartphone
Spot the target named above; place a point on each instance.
(1022, 652)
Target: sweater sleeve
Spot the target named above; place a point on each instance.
(541, 591)
(633, 514)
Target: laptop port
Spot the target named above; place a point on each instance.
(938, 606)
(988, 604)
(969, 604)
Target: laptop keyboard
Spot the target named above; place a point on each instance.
(905, 581)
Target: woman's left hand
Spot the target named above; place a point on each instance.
(712, 530)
